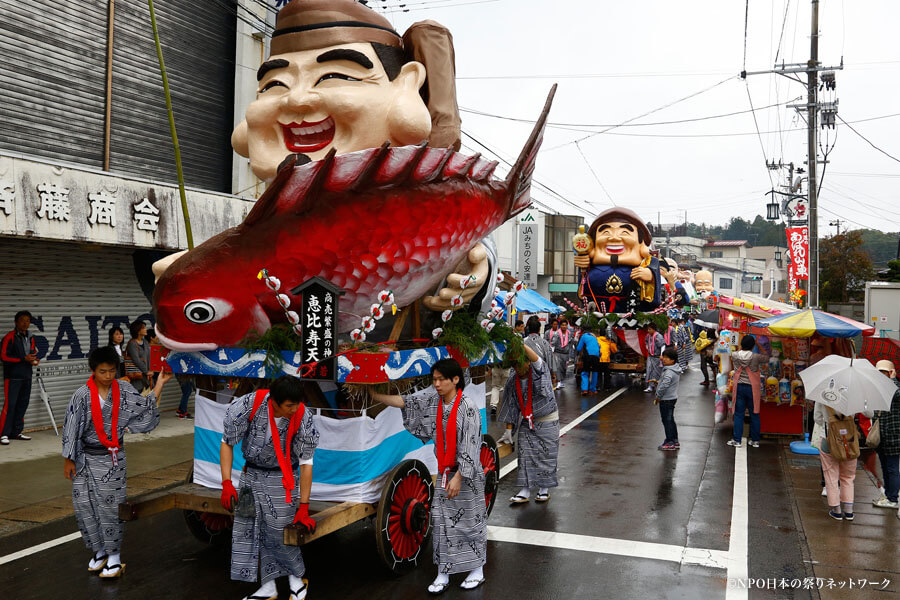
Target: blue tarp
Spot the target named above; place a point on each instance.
(531, 302)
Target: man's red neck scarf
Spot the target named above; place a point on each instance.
(445, 449)
(284, 455)
(111, 441)
(527, 409)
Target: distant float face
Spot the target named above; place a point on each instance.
(618, 239)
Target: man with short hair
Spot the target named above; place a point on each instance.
(19, 355)
(889, 448)
(93, 450)
(277, 435)
(520, 327)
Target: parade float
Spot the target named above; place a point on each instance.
(366, 261)
(622, 285)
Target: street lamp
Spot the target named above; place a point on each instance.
(778, 257)
(773, 210)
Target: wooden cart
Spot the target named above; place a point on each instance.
(402, 516)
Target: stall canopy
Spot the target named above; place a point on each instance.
(531, 302)
(808, 322)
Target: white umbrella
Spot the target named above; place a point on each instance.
(848, 386)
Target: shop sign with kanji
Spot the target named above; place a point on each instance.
(318, 328)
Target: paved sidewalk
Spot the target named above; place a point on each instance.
(35, 492)
(841, 552)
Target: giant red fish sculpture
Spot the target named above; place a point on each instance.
(383, 218)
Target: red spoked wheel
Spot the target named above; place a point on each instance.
(209, 528)
(490, 462)
(404, 515)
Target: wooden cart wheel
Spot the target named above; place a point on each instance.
(490, 462)
(209, 528)
(404, 515)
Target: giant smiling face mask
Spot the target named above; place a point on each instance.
(340, 97)
(618, 239)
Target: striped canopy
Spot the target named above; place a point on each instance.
(807, 322)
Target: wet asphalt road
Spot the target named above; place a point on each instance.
(614, 483)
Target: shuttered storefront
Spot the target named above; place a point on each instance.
(76, 294)
(198, 44)
(53, 79)
(53, 86)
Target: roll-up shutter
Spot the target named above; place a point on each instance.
(76, 294)
(53, 79)
(198, 42)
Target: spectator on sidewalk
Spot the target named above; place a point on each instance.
(889, 448)
(187, 388)
(667, 396)
(835, 467)
(117, 343)
(520, 327)
(19, 356)
(746, 393)
(655, 346)
(138, 350)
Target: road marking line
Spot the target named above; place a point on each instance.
(39, 548)
(717, 559)
(508, 467)
(737, 546)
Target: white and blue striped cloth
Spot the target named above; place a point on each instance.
(351, 460)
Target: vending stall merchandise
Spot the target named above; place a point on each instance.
(782, 406)
(795, 341)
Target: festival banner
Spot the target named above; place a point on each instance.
(798, 249)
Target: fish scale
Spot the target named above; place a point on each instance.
(383, 218)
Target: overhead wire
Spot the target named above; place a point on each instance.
(650, 112)
(867, 140)
(759, 135)
(594, 173)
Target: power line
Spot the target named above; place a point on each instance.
(626, 124)
(594, 173)
(594, 75)
(759, 135)
(650, 112)
(892, 157)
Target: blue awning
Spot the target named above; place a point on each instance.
(531, 302)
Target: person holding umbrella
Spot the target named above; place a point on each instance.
(889, 447)
(842, 387)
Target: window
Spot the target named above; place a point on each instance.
(715, 254)
(725, 283)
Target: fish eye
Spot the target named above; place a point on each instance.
(199, 311)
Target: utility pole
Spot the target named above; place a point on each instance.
(812, 131)
(792, 72)
(836, 223)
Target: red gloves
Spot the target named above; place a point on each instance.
(302, 517)
(229, 495)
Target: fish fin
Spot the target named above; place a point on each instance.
(371, 169)
(438, 171)
(410, 168)
(268, 202)
(518, 182)
(318, 181)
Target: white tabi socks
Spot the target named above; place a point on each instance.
(298, 588)
(439, 584)
(97, 561)
(524, 492)
(543, 491)
(473, 579)
(266, 590)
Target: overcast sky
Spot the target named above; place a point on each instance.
(617, 60)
